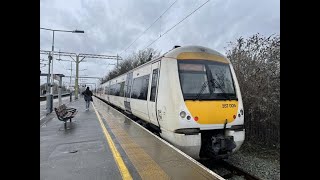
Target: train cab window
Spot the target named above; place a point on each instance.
(140, 87)
(192, 77)
(222, 75)
(154, 85)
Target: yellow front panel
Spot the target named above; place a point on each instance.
(213, 112)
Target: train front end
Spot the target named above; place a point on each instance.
(212, 111)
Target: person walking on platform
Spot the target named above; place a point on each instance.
(87, 97)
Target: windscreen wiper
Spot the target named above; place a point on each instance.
(219, 86)
(204, 85)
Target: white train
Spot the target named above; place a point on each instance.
(190, 95)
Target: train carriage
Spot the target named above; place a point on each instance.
(190, 95)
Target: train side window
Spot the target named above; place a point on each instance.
(134, 91)
(140, 87)
(112, 90)
(154, 85)
(122, 89)
(117, 93)
(115, 89)
(145, 86)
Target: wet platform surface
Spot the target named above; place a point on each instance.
(104, 144)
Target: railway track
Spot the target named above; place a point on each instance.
(227, 170)
(216, 166)
(238, 171)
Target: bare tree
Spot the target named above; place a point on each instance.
(131, 62)
(256, 61)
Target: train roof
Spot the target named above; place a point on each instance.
(204, 52)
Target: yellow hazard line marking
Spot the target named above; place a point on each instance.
(143, 163)
(116, 155)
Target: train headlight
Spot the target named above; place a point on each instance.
(183, 114)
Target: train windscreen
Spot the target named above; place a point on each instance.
(201, 79)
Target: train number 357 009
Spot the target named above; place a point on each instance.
(228, 105)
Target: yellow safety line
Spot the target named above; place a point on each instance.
(143, 163)
(116, 155)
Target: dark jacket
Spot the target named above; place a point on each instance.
(87, 95)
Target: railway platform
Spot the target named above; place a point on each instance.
(102, 143)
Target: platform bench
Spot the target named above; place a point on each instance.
(65, 113)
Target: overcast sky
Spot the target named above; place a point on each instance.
(112, 25)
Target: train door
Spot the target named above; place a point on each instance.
(152, 99)
(127, 85)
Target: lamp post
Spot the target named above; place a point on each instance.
(50, 57)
